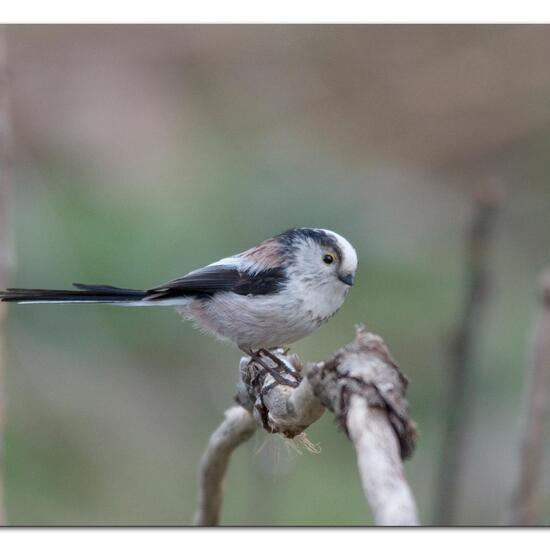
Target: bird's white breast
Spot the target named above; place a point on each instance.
(265, 321)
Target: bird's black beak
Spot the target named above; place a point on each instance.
(347, 279)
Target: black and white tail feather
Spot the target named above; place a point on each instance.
(99, 294)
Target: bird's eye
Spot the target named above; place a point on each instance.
(328, 258)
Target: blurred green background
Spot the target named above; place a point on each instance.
(145, 152)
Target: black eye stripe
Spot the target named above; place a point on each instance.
(289, 238)
(337, 252)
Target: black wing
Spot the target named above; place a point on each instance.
(220, 278)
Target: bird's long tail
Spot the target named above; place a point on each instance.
(98, 294)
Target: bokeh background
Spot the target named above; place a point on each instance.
(143, 152)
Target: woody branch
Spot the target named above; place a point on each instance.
(365, 390)
(524, 507)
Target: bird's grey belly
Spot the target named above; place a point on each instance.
(254, 322)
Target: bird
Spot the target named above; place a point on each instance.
(262, 299)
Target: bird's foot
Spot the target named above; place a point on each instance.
(283, 365)
(256, 356)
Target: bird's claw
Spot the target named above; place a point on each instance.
(281, 365)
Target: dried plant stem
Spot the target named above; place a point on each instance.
(460, 357)
(6, 245)
(361, 385)
(380, 466)
(237, 427)
(365, 389)
(524, 505)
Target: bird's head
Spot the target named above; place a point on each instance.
(319, 257)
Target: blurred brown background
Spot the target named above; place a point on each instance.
(145, 151)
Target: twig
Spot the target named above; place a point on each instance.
(365, 389)
(460, 356)
(6, 244)
(524, 505)
(380, 466)
(237, 427)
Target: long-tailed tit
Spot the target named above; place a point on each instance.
(266, 297)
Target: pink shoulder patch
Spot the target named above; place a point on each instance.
(266, 254)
